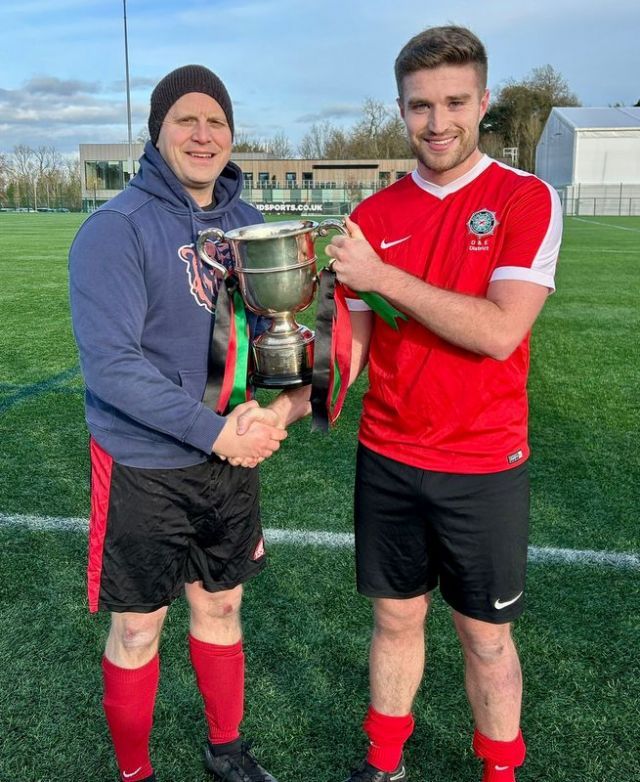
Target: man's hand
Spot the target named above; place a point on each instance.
(356, 263)
(262, 436)
(250, 415)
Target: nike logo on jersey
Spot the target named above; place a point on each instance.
(132, 774)
(384, 244)
(499, 604)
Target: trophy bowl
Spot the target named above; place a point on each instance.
(275, 264)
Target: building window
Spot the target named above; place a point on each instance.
(248, 178)
(104, 174)
(384, 178)
(290, 178)
(129, 174)
(400, 174)
(263, 178)
(307, 178)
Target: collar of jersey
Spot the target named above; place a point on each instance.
(442, 191)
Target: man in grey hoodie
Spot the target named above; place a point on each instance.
(174, 498)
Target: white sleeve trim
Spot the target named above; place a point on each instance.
(357, 305)
(523, 273)
(543, 267)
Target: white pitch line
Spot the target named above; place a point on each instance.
(607, 225)
(298, 537)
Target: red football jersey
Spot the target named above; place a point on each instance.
(431, 404)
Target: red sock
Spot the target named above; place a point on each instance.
(220, 676)
(501, 758)
(387, 736)
(129, 698)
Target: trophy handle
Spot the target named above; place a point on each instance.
(203, 238)
(323, 229)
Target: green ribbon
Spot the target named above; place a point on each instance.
(337, 384)
(381, 307)
(239, 390)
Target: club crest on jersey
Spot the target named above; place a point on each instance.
(204, 283)
(483, 223)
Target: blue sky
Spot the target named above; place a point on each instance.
(286, 63)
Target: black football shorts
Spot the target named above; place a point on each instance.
(416, 529)
(151, 531)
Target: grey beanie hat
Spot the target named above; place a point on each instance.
(189, 78)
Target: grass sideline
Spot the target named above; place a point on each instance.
(306, 630)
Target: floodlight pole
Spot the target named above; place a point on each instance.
(126, 64)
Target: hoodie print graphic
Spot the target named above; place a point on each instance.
(204, 282)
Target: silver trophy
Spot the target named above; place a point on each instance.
(275, 264)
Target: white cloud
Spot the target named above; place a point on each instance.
(332, 112)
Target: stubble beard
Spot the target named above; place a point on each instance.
(442, 164)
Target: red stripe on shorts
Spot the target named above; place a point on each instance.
(101, 468)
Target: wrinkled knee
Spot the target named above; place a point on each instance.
(216, 606)
(133, 638)
(138, 635)
(486, 643)
(484, 650)
(400, 617)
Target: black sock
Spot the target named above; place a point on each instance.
(230, 748)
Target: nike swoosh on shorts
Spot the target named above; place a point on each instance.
(499, 604)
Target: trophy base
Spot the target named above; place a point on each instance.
(281, 381)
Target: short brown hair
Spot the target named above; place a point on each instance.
(435, 46)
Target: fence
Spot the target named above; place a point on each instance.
(619, 199)
(341, 198)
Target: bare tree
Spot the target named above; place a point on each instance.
(243, 142)
(24, 162)
(5, 174)
(279, 145)
(315, 142)
(72, 185)
(26, 171)
(48, 162)
(367, 133)
(338, 145)
(380, 133)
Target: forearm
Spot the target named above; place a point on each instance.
(470, 322)
(361, 326)
(291, 406)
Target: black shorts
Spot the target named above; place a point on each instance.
(152, 531)
(417, 528)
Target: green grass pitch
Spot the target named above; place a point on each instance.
(306, 630)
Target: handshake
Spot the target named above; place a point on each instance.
(252, 433)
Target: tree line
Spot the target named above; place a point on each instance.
(39, 179)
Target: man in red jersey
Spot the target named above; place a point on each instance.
(466, 247)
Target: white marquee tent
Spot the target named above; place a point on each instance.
(592, 156)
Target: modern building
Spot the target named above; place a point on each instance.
(592, 157)
(272, 184)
